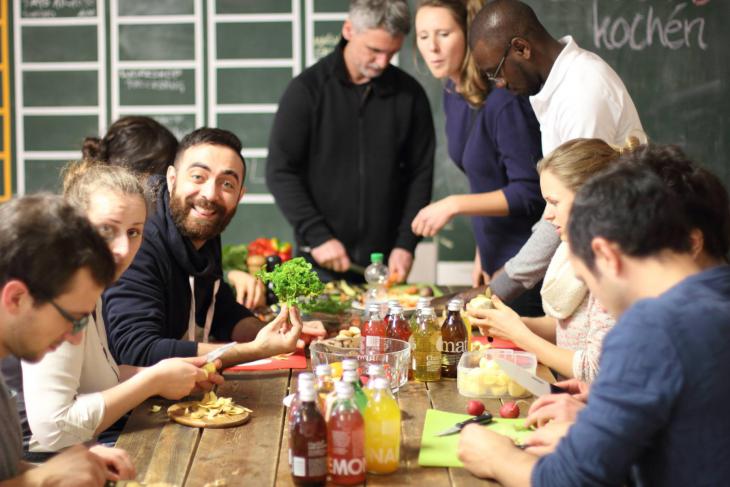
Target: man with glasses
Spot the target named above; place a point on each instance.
(53, 268)
(574, 94)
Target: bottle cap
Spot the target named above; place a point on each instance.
(305, 378)
(373, 308)
(455, 305)
(350, 364)
(323, 369)
(422, 302)
(344, 390)
(428, 311)
(306, 392)
(396, 309)
(380, 383)
(393, 302)
(350, 376)
(376, 257)
(376, 370)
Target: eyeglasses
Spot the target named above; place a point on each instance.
(77, 324)
(494, 78)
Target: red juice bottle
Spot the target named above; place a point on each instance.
(346, 439)
(308, 441)
(398, 326)
(302, 380)
(373, 330)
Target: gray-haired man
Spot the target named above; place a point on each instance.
(351, 150)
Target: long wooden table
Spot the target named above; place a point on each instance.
(255, 454)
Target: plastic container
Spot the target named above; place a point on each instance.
(376, 275)
(395, 357)
(479, 376)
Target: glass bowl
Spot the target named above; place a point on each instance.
(394, 355)
(478, 375)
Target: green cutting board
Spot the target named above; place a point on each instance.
(441, 451)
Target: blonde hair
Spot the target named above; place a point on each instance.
(472, 85)
(83, 178)
(575, 161)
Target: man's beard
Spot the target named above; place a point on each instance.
(193, 228)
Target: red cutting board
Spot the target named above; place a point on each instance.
(496, 342)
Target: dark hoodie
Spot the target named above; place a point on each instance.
(147, 310)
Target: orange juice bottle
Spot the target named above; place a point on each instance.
(324, 386)
(382, 430)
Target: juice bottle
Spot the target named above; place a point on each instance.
(346, 439)
(374, 371)
(391, 304)
(382, 430)
(324, 386)
(351, 377)
(422, 302)
(373, 330)
(453, 340)
(303, 380)
(351, 364)
(398, 326)
(426, 348)
(308, 441)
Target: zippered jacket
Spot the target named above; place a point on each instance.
(352, 162)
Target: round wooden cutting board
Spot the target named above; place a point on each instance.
(176, 412)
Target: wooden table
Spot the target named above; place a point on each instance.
(256, 454)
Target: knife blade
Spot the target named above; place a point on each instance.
(529, 381)
(218, 352)
(485, 418)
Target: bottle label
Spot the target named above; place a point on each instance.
(299, 466)
(348, 466)
(433, 362)
(453, 347)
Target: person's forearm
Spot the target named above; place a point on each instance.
(559, 359)
(492, 203)
(127, 371)
(247, 329)
(126, 396)
(514, 468)
(543, 326)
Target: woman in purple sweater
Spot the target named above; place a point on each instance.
(493, 137)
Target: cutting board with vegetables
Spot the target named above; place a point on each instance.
(441, 451)
(210, 412)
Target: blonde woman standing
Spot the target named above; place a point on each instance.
(493, 137)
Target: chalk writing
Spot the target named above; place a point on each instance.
(58, 8)
(170, 80)
(324, 44)
(647, 29)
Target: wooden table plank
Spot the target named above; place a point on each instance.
(244, 455)
(160, 450)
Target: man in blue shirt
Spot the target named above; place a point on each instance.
(656, 412)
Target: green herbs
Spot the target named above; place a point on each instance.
(292, 279)
(234, 257)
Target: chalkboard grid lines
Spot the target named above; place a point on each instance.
(253, 104)
(5, 107)
(153, 62)
(59, 123)
(315, 45)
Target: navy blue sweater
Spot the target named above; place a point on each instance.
(146, 312)
(497, 146)
(660, 401)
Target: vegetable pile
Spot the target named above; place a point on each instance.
(293, 279)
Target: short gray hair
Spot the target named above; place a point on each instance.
(390, 15)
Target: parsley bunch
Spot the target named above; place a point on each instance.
(292, 279)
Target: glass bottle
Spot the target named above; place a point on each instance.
(324, 386)
(454, 340)
(346, 439)
(426, 348)
(374, 371)
(308, 441)
(372, 331)
(382, 430)
(351, 377)
(398, 326)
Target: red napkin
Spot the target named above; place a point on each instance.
(496, 342)
(294, 361)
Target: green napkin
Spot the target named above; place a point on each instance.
(440, 451)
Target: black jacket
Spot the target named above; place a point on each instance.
(353, 162)
(146, 311)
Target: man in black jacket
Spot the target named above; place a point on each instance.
(351, 150)
(171, 300)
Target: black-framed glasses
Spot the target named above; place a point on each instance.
(77, 324)
(494, 78)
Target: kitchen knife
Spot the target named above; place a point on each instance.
(218, 352)
(529, 381)
(485, 418)
(466, 295)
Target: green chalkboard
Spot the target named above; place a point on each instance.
(671, 54)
